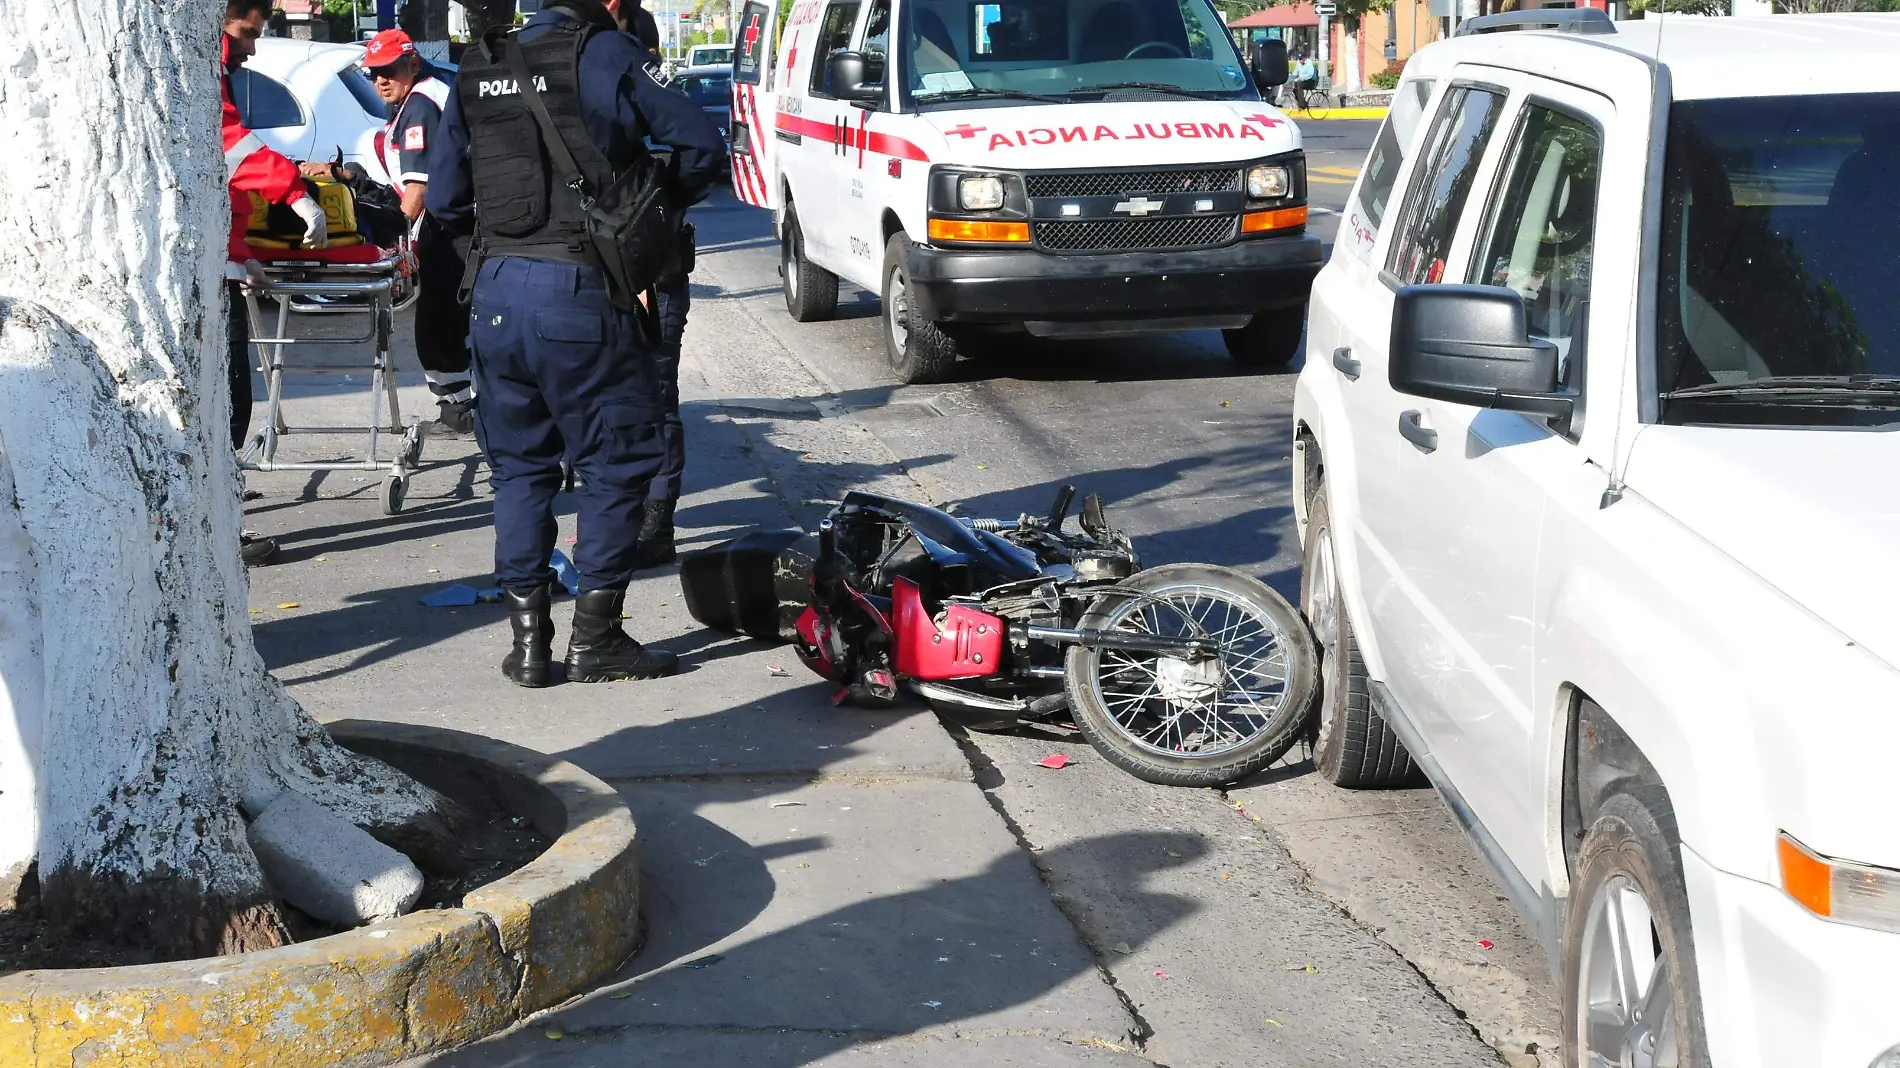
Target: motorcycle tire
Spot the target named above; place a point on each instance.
(1147, 735)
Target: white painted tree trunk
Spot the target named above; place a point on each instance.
(136, 717)
(1352, 63)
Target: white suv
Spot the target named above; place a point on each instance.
(1598, 479)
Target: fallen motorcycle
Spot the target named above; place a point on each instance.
(1182, 674)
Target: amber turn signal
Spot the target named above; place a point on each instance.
(1259, 222)
(1015, 233)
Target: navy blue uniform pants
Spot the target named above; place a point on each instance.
(674, 293)
(563, 374)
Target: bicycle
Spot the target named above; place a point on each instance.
(1309, 103)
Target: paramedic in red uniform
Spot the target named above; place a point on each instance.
(253, 168)
(416, 93)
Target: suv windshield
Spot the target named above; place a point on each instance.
(1781, 252)
(1056, 48)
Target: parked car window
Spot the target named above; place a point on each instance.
(1780, 246)
(833, 35)
(707, 90)
(363, 90)
(1442, 184)
(877, 30)
(263, 102)
(1388, 153)
(1543, 221)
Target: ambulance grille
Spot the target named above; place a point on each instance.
(1122, 183)
(1131, 235)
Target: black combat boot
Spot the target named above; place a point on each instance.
(655, 544)
(528, 662)
(598, 650)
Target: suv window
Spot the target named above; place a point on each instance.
(1388, 153)
(263, 102)
(833, 35)
(1543, 224)
(1443, 182)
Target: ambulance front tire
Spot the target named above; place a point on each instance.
(811, 292)
(919, 350)
(1270, 341)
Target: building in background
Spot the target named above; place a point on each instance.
(1386, 39)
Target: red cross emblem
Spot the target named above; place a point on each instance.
(1266, 120)
(752, 33)
(966, 131)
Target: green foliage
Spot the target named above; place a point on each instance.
(1388, 78)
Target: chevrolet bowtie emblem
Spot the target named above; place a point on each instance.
(1139, 206)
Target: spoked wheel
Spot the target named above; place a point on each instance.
(1194, 721)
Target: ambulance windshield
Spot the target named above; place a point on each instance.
(1068, 49)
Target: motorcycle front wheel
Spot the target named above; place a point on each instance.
(1206, 720)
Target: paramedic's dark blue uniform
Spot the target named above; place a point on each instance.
(560, 370)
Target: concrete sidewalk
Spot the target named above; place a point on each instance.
(822, 883)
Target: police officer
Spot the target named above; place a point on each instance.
(672, 298)
(563, 370)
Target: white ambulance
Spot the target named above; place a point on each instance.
(1068, 168)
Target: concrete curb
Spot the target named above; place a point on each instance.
(379, 994)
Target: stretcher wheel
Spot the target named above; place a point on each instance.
(393, 488)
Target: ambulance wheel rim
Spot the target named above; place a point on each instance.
(897, 308)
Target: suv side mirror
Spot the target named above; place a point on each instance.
(1470, 345)
(1269, 63)
(855, 76)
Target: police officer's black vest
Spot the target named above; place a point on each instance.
(521, 207)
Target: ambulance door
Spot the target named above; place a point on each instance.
(816, 150)
(867, 185)
(754, 107)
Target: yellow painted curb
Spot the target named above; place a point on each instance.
(380, 994)
(1342, 113)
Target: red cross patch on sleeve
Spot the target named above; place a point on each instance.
(412, 139)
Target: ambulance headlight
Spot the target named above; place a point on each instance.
(979, 192)
(1268, 181)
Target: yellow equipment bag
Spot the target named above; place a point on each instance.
(276, 226)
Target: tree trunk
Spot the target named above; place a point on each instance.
(137, 721)
(1351, 58)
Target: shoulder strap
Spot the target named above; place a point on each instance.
(557, 145)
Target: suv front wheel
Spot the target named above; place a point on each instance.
(1630, 991)
(1353, 746)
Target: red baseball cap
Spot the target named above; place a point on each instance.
(387, 47)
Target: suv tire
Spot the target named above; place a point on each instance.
(1271, 341)
(1629, 871)
(811, 292)
(1353, 746)
(919, 350)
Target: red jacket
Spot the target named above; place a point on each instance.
(253, 167)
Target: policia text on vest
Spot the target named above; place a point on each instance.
(623, 221)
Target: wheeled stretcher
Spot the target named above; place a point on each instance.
(350, 276)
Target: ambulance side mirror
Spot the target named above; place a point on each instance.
(852, 76)
(1269, 63)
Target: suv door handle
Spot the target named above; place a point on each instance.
(1412, 429)
(1345, 364)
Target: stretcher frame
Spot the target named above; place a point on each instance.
(375, 280)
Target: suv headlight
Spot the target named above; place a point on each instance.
(1268, 181)
(1857, 894)
(979, 192)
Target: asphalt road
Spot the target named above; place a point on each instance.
(1322, 926)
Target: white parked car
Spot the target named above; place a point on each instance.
(308, 99)
(1597, 440)
(709, 55)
